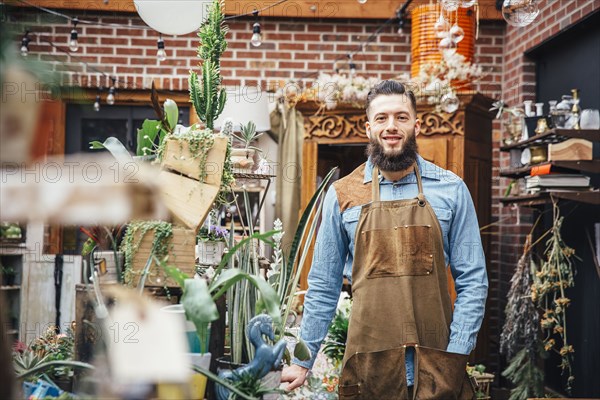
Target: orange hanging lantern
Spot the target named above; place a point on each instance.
(425, 43)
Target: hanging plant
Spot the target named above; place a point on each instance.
(134, 236)
(548, 292)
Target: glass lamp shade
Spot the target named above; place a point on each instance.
(174, 17)
(520, 13)
(246, 104)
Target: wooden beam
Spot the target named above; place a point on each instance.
(339, 9)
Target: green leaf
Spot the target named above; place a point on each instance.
(230, 277)
(198, 303)
(116, 148)
(301, 350)
(175, 273)
(146, 136)
(96, 145)
(172, 113)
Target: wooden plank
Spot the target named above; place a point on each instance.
(570, 150)
(340, 9)
(556, 135)
(310, 157)
(592, 166)
(187, 199)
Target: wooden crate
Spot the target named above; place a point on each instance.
(177, 157)
(182, 254)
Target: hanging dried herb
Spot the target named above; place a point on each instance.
(520, 330)
(548, 292)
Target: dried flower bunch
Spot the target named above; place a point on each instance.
(548, 292)
(436, 80)
(330, 90)
(521, 325)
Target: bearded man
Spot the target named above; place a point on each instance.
(393, 227)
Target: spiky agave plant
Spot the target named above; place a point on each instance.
(206, 93)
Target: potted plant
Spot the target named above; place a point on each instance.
(242, 158)
(8, 275)
(211, 245)
(513, 121)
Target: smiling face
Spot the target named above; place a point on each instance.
(392, 127)
(392, 122)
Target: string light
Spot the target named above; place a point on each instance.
(73, 44)
(97, 102)
(256, 39)
(25, 44)
(351, 66)
(110, 99)
(161, 54)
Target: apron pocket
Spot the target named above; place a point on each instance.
(375, 375)
(441, 375)
(399, 251)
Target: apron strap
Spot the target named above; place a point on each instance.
(420, 196)
(375, 184)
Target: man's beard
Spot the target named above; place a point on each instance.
(397, 162)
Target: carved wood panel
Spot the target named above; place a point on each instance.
(350, 128)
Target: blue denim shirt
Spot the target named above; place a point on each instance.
(334, 251)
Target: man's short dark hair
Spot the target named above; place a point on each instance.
(390, 87)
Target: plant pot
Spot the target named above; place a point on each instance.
(242, 160)
(210, 252)
(189, 330)
(181, 254)
(198, 381)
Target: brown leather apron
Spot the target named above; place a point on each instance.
(400, 299)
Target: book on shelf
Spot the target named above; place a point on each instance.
(538, 189)
(558, 181)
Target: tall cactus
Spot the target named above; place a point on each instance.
(206, 93)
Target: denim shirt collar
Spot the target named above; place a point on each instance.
(427, 169)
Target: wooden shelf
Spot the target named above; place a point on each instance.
(529, 200)
(554, 136)
(13, 287)
(592, 166)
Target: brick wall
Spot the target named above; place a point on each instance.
(291, 49)
(518, 84)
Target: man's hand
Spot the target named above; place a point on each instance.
(295, 374)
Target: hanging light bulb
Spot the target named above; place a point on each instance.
(73, 44)
(256, 39)
(467, 3)
(362, 1)
(161, 54)
(352, 67)
(110, 99)
(441, 27)
(447, 46)
(457, 33)
(25, 44)
(450, 102)
(520, 13)
(97, 103)
(450, 5)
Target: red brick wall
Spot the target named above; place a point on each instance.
(291, 49)
(518, 84)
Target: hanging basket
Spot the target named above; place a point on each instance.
(424, 46)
